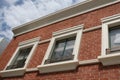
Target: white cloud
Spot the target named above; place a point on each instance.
(19, 14)
(8, 34)
(15, 15)
(11, 1)
(49, 7)
(65, 3)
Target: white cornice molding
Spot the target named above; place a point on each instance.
(29, 41)
(63, 14)
(75, 28)
(110, 18)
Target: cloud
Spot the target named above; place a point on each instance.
(7, 34)
(20, 14)
(5, 31)
(11, 1)
(21, 11)
(48, 7)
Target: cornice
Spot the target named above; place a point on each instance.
(111, 18)
(77, 9)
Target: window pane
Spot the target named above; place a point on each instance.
(23, 53)
(27, 52)
(69, 46)
(59, 48)
(68, 52)
(115, 37)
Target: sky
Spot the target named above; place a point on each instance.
(17, 12)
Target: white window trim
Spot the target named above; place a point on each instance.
(21, 71)
(64, 65)
(108, 59)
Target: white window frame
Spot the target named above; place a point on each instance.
(62, 65)
(20, 71)
(113, 58)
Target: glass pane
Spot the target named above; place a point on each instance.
(68, 52)
(57, 55)
(114, 37)
(60, 44)
(63, 49)
(24, 53)
(21, 54)
(70, 43)
(69, 46)
(27, 52)
(59, 48)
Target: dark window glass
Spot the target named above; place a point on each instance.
(114, 37)
(63, 50)
(19, 61)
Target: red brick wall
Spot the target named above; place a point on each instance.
(90, 49)
(88, 72)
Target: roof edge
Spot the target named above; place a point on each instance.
(66, 13)
(51, 14)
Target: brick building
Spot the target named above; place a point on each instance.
(80, 42)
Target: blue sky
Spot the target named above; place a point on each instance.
(16, 12)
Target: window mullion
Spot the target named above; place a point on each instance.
(26, 50)
(64, 48)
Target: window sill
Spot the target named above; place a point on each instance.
(13, 72)
(110, 59)
(59, 66)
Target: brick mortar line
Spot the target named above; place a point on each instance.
(91, 61)
(84, 31)
(44, 41)
(81, 63)
(92, 29)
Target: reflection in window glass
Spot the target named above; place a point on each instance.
(63, 49)
(114, 35)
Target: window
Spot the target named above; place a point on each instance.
(114, 39)
(20, 59)
(62, 52)
(110, 53)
